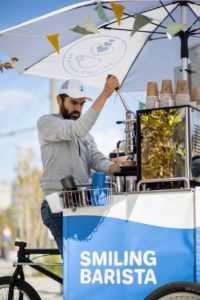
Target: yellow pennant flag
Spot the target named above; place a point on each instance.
(118, 11)
(53, 39)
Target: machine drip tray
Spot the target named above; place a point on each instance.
(127, 171)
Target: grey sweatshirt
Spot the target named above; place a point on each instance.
(67, 148)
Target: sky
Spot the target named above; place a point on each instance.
(24, 98)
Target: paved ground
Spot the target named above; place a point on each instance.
(46, 287)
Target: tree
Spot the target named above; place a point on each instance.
(28, 201)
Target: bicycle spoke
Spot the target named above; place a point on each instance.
(17, 294)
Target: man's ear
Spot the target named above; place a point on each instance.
(59, 101)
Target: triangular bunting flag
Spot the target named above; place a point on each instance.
(53, 39)
(81, 30)
(140, 21)
(174, 28)
(101, 12)
(90, 26)
(118, 11)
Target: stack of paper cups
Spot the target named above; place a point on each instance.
(166, 96)
(152, 99)
(182, 96)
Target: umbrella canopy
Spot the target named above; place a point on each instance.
(147, 55)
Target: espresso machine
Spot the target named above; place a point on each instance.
(126, 179)
(162, 146)
(168, 145)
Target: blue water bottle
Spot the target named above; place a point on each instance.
(99, 189)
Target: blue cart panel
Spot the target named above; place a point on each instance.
(126, 250)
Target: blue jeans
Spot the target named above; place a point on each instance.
(54, 222)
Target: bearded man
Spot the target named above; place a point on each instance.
(67, 147)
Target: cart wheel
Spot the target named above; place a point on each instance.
(176, 291)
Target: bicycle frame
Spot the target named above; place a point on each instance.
(23, 259)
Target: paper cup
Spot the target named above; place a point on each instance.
(196, 94)
(55, 202)
(152, 102)
(167, 87)
(182, 99)
(181, 87)
(152, 89)
(166, 100)
(99, 189)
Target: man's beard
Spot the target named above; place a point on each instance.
(67, 115)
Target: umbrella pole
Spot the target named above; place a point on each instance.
(184, 67)
(184, 42)
(53, 94)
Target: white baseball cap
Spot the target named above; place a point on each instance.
(74, 88)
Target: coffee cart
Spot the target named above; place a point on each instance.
(137, 241)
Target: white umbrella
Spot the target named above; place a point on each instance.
(134, 59)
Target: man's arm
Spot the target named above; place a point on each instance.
(53, 129)
(99, 162)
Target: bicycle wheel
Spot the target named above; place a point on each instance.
(21, 288)
(176, 291)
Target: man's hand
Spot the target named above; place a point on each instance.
(111, 84)
(114, 169)
(121, 160)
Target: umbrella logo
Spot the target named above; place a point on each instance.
(97, 55)
(102, 49)
(85, 61)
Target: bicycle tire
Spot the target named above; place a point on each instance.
(28, 292)
(179, 290)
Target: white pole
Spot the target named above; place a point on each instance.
(53, 95)
(184, 59)
(184, 67)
